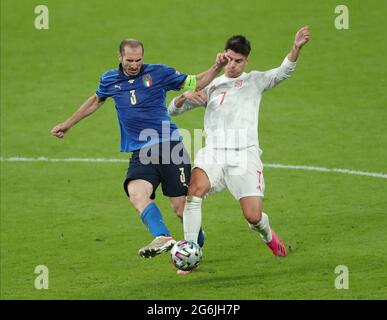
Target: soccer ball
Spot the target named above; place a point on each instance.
(186, 255)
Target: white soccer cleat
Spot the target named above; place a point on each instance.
(159, 245)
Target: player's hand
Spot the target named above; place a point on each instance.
(302, 37)
(221, 60)
(198, 97)
(59, 130)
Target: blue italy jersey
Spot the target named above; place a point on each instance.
(140, 102)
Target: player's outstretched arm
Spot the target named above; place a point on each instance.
(301, 38)
(187, 101)
(198, 98)
(86, 109)
(269, 79)
(204, 78)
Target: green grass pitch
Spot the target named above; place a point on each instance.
(74, 217)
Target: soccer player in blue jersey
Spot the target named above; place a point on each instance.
(158, 155)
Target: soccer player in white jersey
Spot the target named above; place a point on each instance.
(231, 157)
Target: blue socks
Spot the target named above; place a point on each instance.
(151, 216)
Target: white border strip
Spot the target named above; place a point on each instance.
(268, 165)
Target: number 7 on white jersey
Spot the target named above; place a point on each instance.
(223, 94)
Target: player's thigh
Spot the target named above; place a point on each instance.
(246, 179)
(175, 169)
(175, 179)
(144, 172)
(208, 173)
(252, 208)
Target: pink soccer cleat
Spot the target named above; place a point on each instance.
(183, 272)
(277, 246)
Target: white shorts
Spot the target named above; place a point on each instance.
(241, 171)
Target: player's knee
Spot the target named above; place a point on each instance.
(253, 216)
(200, 184)
(197, 190)
(137, 198)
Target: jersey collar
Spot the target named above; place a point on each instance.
(121, 71)
(241, 75)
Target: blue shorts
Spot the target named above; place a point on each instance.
(167, 163)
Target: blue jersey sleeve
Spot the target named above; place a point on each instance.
(173, 79)
(104, 90)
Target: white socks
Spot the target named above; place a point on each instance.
(263, 228)
(192, 218)
(192, 221)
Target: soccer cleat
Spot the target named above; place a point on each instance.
(159, 245)
(276, 245)
(183, 272)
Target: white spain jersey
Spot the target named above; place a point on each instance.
(232, 108)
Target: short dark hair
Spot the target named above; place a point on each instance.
(133, 43)
(239, 44)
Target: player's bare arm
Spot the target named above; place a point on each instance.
(204, 78)
(198, 97)
(86, 109)
(301, 38)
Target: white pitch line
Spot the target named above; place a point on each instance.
(268, 165)
(44, 159)
(312, 168)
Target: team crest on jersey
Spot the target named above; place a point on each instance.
(212, 88)
(147, 80)
(238, 83)
(177, 73)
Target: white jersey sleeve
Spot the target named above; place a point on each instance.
(174, 111)
(269, 79)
